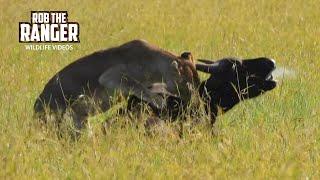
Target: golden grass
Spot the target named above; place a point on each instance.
(274, 136)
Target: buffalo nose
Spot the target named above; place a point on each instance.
(272, 63)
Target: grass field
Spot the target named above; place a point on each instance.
(274, 136)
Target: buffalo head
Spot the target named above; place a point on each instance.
(232, 80)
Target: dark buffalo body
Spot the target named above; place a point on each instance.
(102, 71)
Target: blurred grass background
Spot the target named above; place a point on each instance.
(274, 136)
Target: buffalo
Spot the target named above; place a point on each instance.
(134, 68)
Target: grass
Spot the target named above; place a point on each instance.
(274, 136)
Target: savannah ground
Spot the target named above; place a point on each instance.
(276, 135)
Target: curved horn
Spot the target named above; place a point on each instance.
(208, 68)
(205, 61)
(203, 68)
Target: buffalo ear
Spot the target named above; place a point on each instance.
(187, 56)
